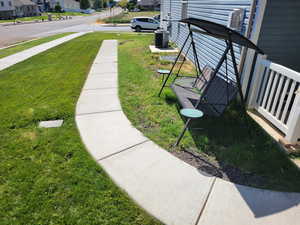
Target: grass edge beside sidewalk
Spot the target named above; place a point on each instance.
(29, 44)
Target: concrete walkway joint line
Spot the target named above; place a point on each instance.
(82, 114)
(100, 88)
(113, 154)
(168, 188)
(202, 208)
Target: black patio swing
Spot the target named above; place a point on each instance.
(210, 91)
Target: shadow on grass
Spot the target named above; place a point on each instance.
(170, 99)
(236, 141)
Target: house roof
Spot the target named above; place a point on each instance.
(23, 2)
(220, 31)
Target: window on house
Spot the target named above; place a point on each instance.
(184, 7)
(2, 4)
(9, 3)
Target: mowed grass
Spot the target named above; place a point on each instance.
(233, 139)
(20, 47)
(46, 175)
(126, 17)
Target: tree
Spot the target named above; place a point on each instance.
(84, 4)
(112, 3)
(57, 7)
(104, 4)
(97, 4)
(131, 4)
(123, 3)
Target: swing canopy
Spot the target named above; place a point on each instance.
(220, 31)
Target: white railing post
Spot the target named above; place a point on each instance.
(256, 82)
(293, 133)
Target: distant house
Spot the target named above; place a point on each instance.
(25, 8)
(18, 8)
(66, 5)
(42, 5)
(6, 9)
(149, 4)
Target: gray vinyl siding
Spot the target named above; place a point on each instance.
(165, 9)
(209, 49)
(281, 31)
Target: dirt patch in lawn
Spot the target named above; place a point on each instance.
(209, 167)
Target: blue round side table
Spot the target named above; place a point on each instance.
(189, 113)
(163, 73)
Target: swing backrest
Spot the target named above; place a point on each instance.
(204, 78)
(218, 94)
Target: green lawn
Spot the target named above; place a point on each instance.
(126, 17)
(232, 139)
(20, 47)
(45, 16)
(46, 175)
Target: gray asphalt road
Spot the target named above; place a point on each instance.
(16, 33)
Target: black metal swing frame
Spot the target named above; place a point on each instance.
(218, 31)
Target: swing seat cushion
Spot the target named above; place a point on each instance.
(196, 83)
(214, 97)
(185, 96)
(189, 99)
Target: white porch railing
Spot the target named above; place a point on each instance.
(275, 93)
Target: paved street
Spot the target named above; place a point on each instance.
(16, 33)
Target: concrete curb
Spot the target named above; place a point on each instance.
(168, 188)
(21, 56)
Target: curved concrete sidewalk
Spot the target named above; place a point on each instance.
(23, 55)
(168, 188)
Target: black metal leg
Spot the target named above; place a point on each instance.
(183, 61)
(198, 69)
(237, 75)
(165, 81)
(215, 72)
(182, 132)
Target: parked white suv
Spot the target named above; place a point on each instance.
(144, 23)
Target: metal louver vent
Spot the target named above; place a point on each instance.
(236, 18)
